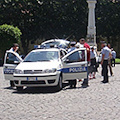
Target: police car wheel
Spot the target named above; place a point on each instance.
(59, 86)
(19, 88)
(12, 84)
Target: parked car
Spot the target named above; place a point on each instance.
(61, 43)
(45, 67)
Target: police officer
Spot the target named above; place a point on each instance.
(72, 47)
(104, 62)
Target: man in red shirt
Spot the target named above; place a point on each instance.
(84, 44)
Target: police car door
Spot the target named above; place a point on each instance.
(11, 60)
(75, 65)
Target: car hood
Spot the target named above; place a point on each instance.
(38, 65)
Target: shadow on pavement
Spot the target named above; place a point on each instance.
(42, 90)
(38, 90)
(9, 88)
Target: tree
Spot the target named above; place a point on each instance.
(8, 35)
(107, 20)
(45, 19)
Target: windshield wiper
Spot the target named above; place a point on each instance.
(43, 60)
(28, 61)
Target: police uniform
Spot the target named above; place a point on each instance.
(72, 47)
(105, 52)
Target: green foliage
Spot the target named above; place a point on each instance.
(8, 36)
(107, 20)
(117, 60)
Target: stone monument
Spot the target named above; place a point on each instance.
(91, 29)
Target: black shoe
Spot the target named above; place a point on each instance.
(84, 85)
(104, 81)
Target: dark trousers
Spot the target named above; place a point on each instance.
(85, 82)
(110, 66)
(105, 70)
(113, 62)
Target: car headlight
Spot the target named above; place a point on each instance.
(17, 71)
(50, 70)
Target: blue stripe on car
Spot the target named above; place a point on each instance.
(73, 70)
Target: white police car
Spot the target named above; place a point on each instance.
(45, 67)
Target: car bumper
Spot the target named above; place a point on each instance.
(31, 81)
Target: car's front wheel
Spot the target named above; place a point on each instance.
(60, 84)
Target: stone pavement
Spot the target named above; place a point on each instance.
(97, 102)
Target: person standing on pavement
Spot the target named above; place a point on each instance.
(15, 49)
(110, 60)
(104, 62)
(92, 64)
(85, 45)
(113, 57)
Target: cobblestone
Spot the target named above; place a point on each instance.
(97, 102)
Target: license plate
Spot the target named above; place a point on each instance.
(31, 78)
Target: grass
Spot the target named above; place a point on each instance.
(117, 60)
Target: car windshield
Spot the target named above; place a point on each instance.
(42, 56)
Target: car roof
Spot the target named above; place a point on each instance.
(57, 40)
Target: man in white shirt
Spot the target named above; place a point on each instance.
(15, 47)
(104, 62)
(113, 57)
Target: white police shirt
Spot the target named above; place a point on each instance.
(106, 52)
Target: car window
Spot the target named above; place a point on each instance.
(11, 58)
(77, 56)
(41, 56)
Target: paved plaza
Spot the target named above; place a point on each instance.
(97, 102)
